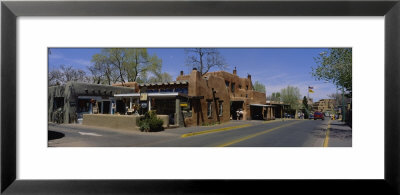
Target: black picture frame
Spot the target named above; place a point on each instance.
(10, 10)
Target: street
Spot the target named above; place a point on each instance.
(275, 133)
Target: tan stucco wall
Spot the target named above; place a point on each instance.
(165, 119)
(121, 122)
(183, 77)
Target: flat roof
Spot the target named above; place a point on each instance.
(160, 94)
(184, 82)
(263, 105)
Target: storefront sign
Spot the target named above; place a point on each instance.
(143, 96)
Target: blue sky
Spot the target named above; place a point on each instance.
(276, 68)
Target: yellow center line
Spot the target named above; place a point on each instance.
(214, 130)
(326, 141)
(256, 134)
(271, 121)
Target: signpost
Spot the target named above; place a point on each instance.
(143, 99)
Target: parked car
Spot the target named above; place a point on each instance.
(310, 116)
(318, 115)
(286, 115)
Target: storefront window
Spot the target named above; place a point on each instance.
(58, 103)
(209, 109)
(227, 84)
(220, 108)
(83, 105)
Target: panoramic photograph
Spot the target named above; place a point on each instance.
(199, 97)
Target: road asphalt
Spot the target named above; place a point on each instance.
(251, 133)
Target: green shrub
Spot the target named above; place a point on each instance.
(150, 122)
(156, 124)
(144, 126)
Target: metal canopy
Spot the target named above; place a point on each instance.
(152, 95)
(263, 105)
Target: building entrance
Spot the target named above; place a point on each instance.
(237, 110)
(256, 112)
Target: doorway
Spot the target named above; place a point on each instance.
(236, 106)
(106, 107)
(256, 112)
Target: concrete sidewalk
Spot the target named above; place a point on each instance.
(340, 134)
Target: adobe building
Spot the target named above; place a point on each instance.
(324, 105)
(277, 109)
(238, 91)
(192, 99)
(168, 99)
(67, 103)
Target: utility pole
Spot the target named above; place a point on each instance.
(343, 109)
(308, 97)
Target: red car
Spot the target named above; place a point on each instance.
(318, 115)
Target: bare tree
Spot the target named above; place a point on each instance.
(204, 59)
(65, 74)
(55, 77)
(71, 74)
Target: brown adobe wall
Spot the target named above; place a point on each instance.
(133, 85)
(243, 91)
(258, 97)
(242, 85)
(183, 77)
(199, 86)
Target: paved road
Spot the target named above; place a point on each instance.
(278, 133)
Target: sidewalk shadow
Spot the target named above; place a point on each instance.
(340, 124)
(52, 135)
(340, 133)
